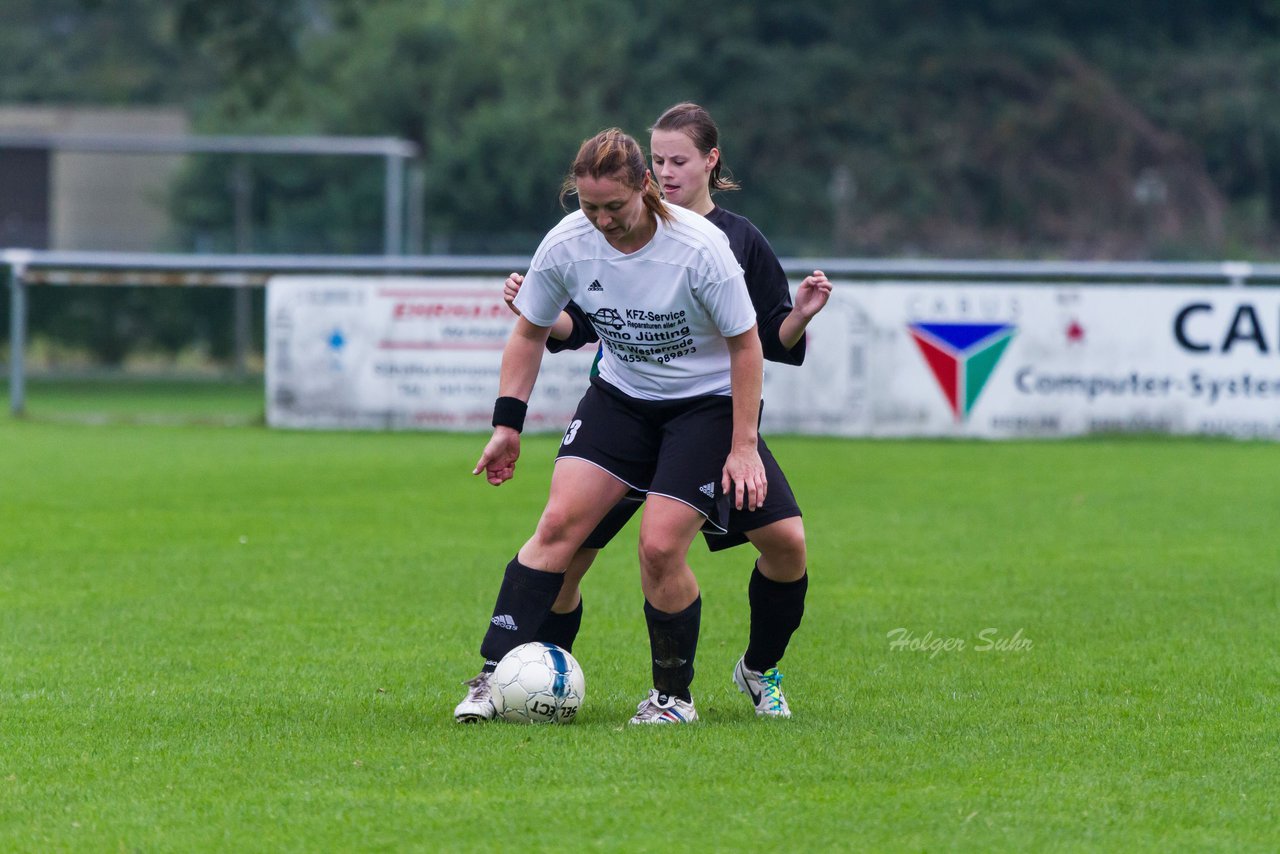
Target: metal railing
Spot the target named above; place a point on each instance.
(27, 268)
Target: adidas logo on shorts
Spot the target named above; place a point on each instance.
(504, 621)
(595, 285)
(708, 489)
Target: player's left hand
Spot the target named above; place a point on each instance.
(744, 475)
(813, 293)
(498, 461)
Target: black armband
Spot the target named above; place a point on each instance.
(509, 412)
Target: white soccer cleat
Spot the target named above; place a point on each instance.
(477, 706)
(664, 709)
(764, 689)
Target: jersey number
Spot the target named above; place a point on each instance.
(572, 432)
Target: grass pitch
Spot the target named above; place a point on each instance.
(229, 638)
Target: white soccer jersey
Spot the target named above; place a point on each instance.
(663, 311)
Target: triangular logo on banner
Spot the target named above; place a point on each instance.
(962, 357)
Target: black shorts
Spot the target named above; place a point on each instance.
(779, 503)
(674, 448)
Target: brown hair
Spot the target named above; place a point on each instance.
(696, 123)
(613, 154)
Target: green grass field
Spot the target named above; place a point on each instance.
(234, 639)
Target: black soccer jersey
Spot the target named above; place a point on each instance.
(766, 282)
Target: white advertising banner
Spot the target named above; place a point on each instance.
(884, 359)
(400, 354)
(1026, 360)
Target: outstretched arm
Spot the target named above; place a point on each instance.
(520, 362)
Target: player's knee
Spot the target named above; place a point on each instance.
(783, 554)
(791, 547)
(659, 556)
(559, 531)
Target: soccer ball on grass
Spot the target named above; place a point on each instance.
(537, 683)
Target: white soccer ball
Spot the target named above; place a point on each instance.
(538, 683)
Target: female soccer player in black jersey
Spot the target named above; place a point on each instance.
(684, 146)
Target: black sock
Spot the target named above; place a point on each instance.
(561, 629)
(673, 641)
(525, 597)
(776, 610)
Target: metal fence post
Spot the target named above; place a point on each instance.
(241, 307)
(393, 205)
(17, 339)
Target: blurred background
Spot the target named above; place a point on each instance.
(985, 129)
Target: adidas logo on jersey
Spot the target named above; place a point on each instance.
(504, 621)
(708, 489)
(595, 285)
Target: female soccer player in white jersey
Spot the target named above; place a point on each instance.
(684, 146)
(672, 412)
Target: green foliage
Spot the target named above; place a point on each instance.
(77, 52)
(993, 128)
(250, 42)
(107, 325)
(996, 129)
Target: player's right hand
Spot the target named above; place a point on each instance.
(510, 288)
(743, 478)
(498, 462)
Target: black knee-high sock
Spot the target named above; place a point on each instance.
(776, 610)
(525, 597)
(561, 629)
(673, 641)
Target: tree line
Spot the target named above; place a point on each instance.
(984, 129)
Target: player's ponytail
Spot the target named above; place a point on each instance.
(613, 154)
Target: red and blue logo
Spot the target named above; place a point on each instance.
(962, 357)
